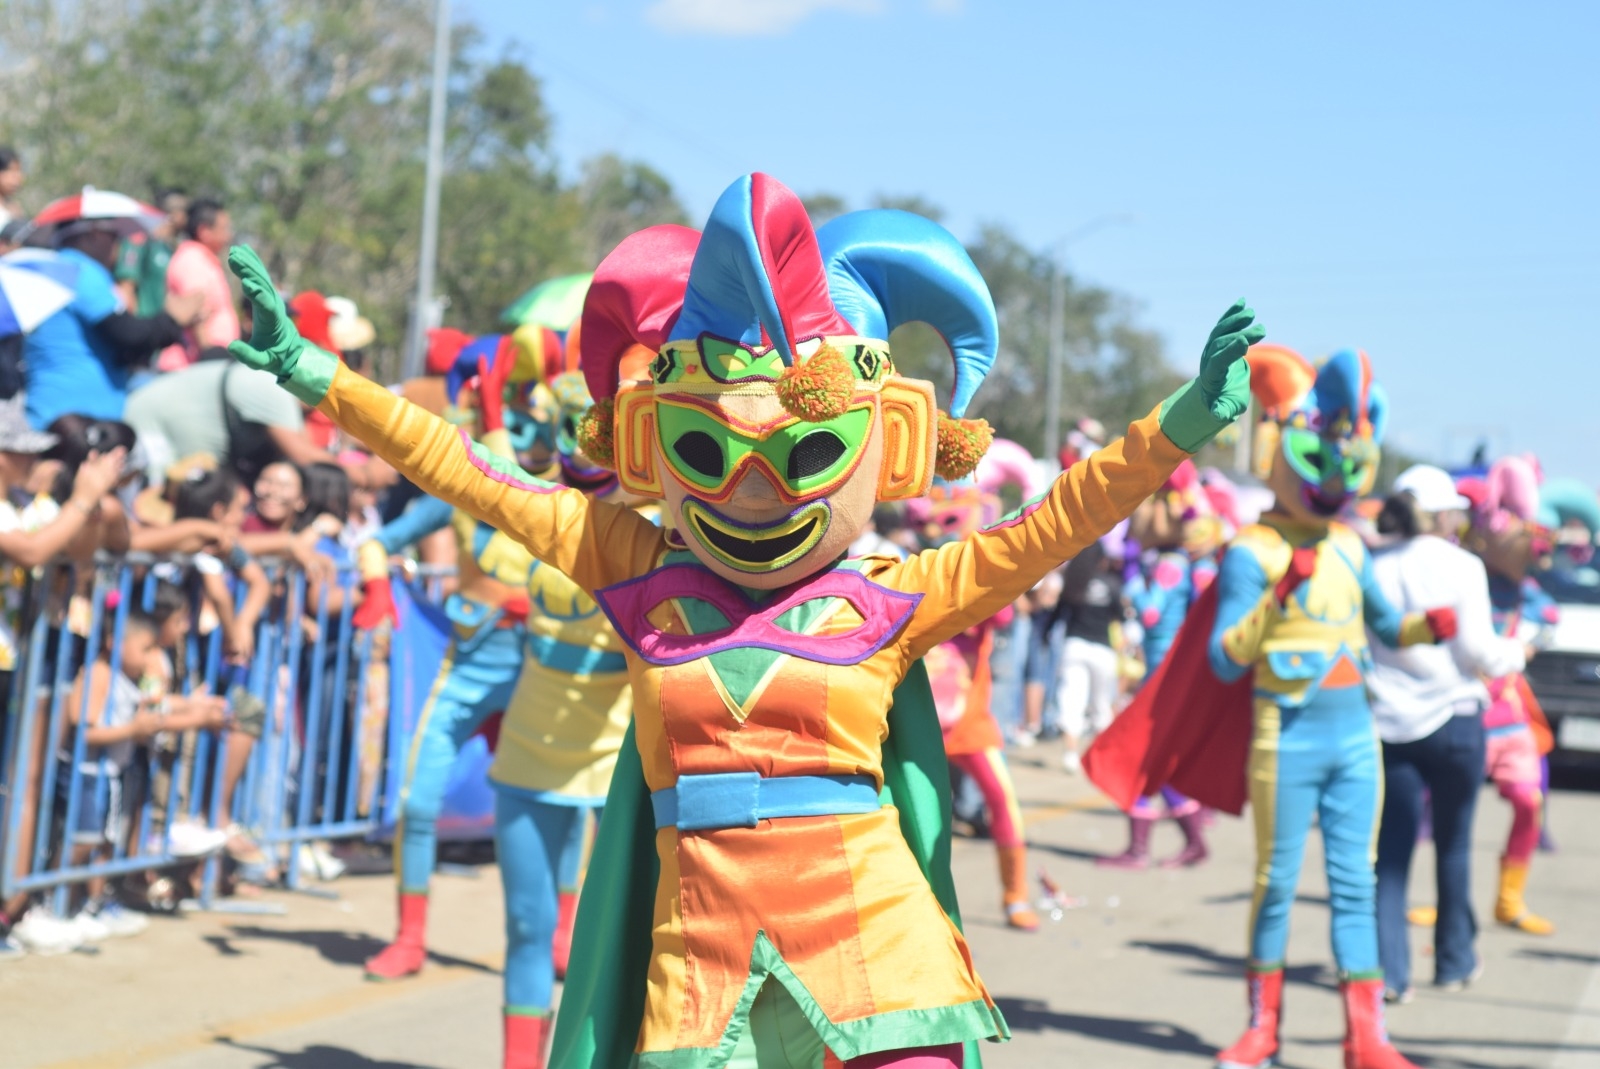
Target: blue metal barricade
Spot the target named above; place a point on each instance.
(301, 757)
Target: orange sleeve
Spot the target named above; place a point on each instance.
(593, 542)
(966, 582)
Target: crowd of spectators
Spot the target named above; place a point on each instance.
(124, 426)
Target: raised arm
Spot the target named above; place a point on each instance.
(593, 542)
(966, 582)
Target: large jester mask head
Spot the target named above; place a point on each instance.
(772, 419)
(1317, 444)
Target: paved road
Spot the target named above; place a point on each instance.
(1145, 975)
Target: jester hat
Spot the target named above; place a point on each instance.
(1326, 420)
(772, 359)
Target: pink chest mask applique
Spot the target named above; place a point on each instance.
(628, 605)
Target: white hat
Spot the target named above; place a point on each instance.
(1431, 488)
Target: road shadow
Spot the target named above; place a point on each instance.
(1232, 965)
(1032, 1015)
(1415, 1049)
(1558, 955)
(335, 947)
(1066, 851)
(316, 1056)
(1245, 896)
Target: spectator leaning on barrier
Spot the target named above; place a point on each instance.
(196, 271)
(218, 496)
(240, 417)
(142, 258)
(120, 721)
(79, 360)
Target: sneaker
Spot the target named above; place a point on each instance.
(316, 859)
(1024, 738)
(90, 926)
(187, 838)
(119, 921)
(1072, 762)
(1461, 983)
(41, 932)
(11, 950)
(1398, 998)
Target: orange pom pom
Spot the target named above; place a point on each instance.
(819, 389)
(962, 443)
(597, 433)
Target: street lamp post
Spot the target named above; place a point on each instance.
(1056, 370)
(423, 311)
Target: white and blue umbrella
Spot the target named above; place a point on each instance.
(35, 284)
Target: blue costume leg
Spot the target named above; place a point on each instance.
(570, 869)
(1285, 780)
(533, 840)
(470, 687)
(1348, 814)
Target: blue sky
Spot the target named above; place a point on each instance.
(1420, 183)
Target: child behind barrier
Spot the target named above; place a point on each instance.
(94, 794)
(218, 496)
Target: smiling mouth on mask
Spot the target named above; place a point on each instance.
(754, 547)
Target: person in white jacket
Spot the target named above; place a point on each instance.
(1428, 702)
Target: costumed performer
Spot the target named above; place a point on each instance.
(1281, 650)
(558, 746)
(487, 614)
(959, 669)
(1176, 533)
(1506, 534)
(761, 904)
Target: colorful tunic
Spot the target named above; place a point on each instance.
(795, 682)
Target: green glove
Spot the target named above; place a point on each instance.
(1206, 404)
(275, 345)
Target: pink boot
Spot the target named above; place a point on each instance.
(1137, 855)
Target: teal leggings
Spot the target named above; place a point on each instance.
(539, 845)
(1320, 761)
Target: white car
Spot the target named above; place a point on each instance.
(1565, 676)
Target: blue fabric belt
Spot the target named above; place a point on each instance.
(574, 660)
(743, 799)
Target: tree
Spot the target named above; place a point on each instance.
(309, 119)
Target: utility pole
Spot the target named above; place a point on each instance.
(1058, 327)
(1058, 359)
(423, 311)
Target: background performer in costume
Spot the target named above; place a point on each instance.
(1506, 534)
(558, 746)
(959, 670)
(764, 668)
(485, 655)
(1174, 569)
(1296, 594)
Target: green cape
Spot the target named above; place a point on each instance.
(602, 1003)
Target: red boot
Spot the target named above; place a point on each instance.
(526, 1040)
(561, 945)
(1366, 1044)
(1258, 1047)
(403, 957)
(1137, 855)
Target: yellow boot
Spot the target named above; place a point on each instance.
(1422, 916)
(1509, 908)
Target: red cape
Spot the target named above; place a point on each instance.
(1185, 727)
